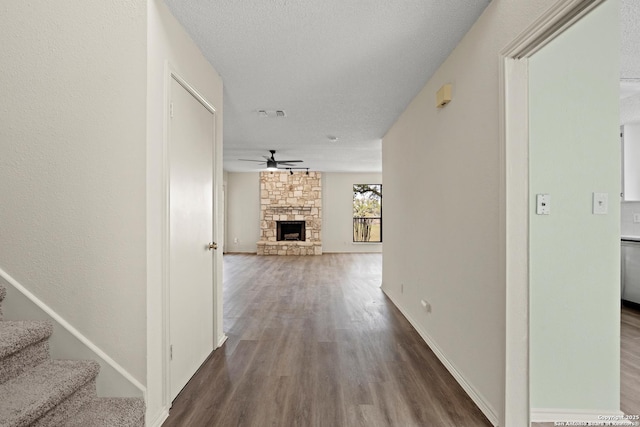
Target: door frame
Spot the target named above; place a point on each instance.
(514, 191)
(172, 74)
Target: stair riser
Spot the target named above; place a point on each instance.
(110, 412)
(17, 363)
(27, 374)
(70, 406)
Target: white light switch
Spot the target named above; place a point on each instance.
(600, 203)
(543, 204)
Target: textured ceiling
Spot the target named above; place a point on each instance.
(630, 62)
(630, 59)
(341, 68)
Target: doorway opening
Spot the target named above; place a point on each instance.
(519, 198)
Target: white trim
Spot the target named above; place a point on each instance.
(514, 186)
(477, 397)
(545, 415)
(515, 241)
(201, 99)
(548, 26)
(73, 331)
(166, 369)
(159, 419)
(221, 341)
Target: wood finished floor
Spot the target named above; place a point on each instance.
(630, 361)
(313, 341)
(629, 364)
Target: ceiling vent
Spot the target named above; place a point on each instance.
(272, 114)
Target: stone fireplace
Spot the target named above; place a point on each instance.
(290, 213)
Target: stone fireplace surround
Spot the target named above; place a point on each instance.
(286, 197)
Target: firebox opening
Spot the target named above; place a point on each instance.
(291, 230)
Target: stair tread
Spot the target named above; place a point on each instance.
(16, 335)
(109, 412)
(32, 394)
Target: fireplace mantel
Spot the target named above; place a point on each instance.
(278, 208)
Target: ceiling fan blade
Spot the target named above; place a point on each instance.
(268, 158)
(260, 162)
(290, 161)
(286, 164)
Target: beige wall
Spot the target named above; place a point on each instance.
(243, 219)
(170, 48)
(73, 165)
(442, 198)
(82, 167)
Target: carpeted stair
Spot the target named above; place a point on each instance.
(38, 391)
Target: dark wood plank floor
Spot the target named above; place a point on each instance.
(313, 341)
(630, 361)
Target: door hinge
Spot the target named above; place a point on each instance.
(171, 110)
(171, 352)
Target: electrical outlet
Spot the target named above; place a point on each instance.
(426, 306)
(235, 240)
(600, 203)
(636, 217)
(543, 204)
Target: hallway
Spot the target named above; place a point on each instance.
(313, 341)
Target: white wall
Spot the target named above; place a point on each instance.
(575, 255)
(243, 201)
(632, 162)
(169, 47)
(628, 227)
(442, 197)
(72, 168)
(337, 215)
(82, 167)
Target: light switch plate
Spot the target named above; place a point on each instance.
(636, 217)
(543, 204)
(600, 203)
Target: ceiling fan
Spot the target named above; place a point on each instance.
(272, 163)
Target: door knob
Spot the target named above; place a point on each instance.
(213, 245)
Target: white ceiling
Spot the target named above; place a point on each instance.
(342, 68)
(339, 68)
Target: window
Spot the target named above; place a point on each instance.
(367, 213)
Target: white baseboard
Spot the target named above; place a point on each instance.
(159, 419)
(477, 398)
(221, 341)
(109, 367)
(549, 415)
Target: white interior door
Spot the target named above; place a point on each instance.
(191, 142)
